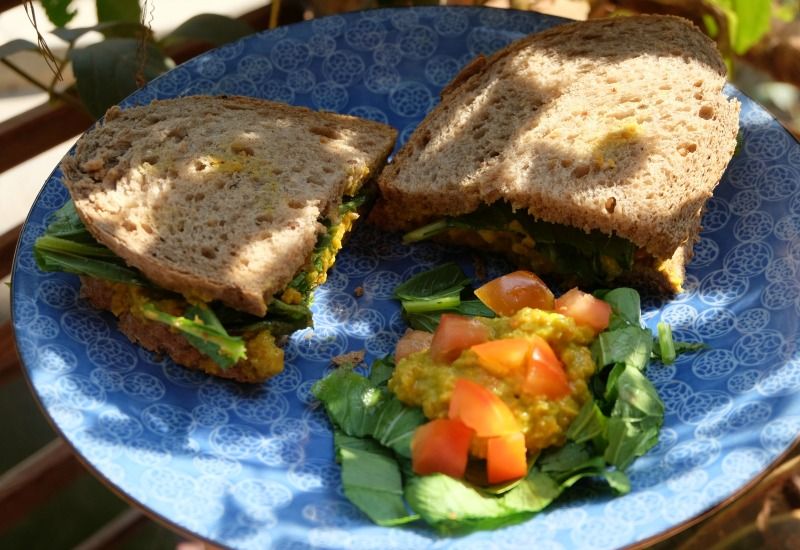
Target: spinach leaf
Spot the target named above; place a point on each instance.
(443, 280)
(352, 403)
(395, 425)
(281, 318)
(454, 507)
(626, 307)
(635, 419)
(630, 345)
(381, 371)
(110, 269)
(362, 409)
(425, 296)
(224, 354)
(204, 332)
(429, 320)
(589, 425)
(371, 480)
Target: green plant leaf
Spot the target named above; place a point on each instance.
(17, 45)
(118, 10)
(58, 11)
(208, 27)
(442, 280)
(371, 480)
(117, 28)
(105, 72)
(753, 23)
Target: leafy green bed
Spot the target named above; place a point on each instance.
(373, 429)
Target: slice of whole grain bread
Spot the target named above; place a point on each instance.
(219, 198)
(618, 125)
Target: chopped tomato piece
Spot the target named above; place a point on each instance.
(441, 446)
(412, 342)
(508, 294)
(454, 334)
(585, 309)
(545, 376)
(481, 410)
(506, 458)
(500, 357)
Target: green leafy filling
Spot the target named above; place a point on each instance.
(593, 257)
(68, 246)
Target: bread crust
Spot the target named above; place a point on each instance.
(627, 111)
(219, 198)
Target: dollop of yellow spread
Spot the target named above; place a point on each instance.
(420, 381)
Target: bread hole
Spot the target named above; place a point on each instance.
(612, 79)
(698, 95)
(479, 133)
(295, 204)
(208, 252)
(199, 165)
(327, 169)
(263, 218)
(425, 138)
(277, 171)
(242, 149)
(244, 261)
(706, 112)
(129, 225)
(181, 227)
(581, 170)
(698, 83)
(566, 163)
(493, 154)
(223, 236)
(172, 173)
(150, 159)
(665, 87)
(324, 131)
(314, 180)
(686, 148)
(619, 115)
(676, 53)
(219, 184)
(148, 228)
(212, 223)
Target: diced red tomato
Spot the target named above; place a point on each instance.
(508, 294)
(412, 342)
(454, 334)
(481, 410)
(585, 309)
(441, 446)
(545, 375)
(500, 357)
(506, 458)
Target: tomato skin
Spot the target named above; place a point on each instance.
(500, 357)
(481, 410)
(508, 294)
(506, 458)
(412, 342)
(454, 334)
(585, 309)
(545, 374)
(441, 446)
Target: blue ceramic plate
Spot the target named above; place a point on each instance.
(252, 467)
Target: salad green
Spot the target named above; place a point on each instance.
(374, 429)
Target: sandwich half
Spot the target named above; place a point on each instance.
(204, 223)
(588, 151)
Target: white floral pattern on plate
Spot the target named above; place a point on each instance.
(252, 467)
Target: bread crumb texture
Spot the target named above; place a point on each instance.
(629, 108)
(220, 197)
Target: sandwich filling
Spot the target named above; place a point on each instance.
(205, 335)
(577, 257)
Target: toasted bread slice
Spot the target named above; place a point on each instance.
(220, 198)
(617, 125)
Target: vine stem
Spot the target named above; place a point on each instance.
(66, 98)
